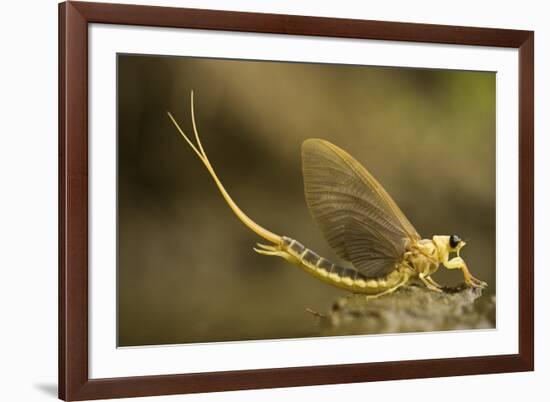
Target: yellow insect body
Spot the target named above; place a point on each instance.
(359, 220)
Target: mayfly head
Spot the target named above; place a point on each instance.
(456, 243)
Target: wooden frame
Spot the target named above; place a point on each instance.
(74, 382)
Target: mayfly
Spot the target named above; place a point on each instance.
(359, 220)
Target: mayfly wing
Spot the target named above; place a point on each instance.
(358, 218)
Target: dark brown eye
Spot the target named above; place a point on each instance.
(454, 240)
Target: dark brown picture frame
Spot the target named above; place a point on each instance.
(74, 381)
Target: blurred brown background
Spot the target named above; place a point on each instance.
(186, 268)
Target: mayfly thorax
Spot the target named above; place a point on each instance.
(359, 220)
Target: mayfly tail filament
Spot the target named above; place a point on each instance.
(259, 230)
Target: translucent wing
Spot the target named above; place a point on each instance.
(358, 218)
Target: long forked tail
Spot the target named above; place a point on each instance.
(260, 231)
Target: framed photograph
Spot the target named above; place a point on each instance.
(259, 200)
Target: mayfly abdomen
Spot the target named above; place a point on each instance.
(347, 278)
(305, 255)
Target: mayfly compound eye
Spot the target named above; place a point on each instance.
(454, 241)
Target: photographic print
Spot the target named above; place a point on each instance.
(252, 200)
(271, 200)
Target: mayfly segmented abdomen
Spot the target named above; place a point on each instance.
(337, 275)
(320, 265)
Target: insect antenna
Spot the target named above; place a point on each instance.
(259, 230)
